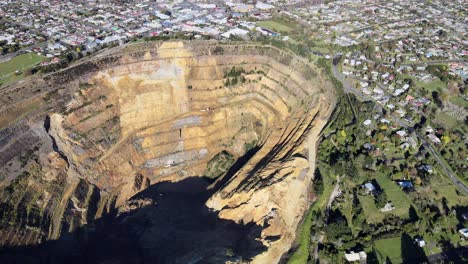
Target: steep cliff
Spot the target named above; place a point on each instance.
(87, 139)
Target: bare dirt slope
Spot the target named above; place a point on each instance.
(92, 136)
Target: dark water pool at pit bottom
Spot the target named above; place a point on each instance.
(176, 228)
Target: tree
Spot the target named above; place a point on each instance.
(350, 170)
(436, 97)
(318, 182)
(234, 81)
(381, 199)
(413, 215)
(372, 257)
(445, 206)
(337, 228)
(358, 216)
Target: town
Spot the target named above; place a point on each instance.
(402, 120)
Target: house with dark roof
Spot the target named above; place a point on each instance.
(406, 184)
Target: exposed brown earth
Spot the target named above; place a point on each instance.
(94, 135)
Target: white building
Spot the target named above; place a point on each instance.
(351, 257)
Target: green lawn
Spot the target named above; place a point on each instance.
(444, 187)
(321, 49)
(390, 247)
(276, 25)
(446, 120)
(399, 198)
(436, 85)
(21, 63)
(373, 215)
(321, 46)
(458, 100)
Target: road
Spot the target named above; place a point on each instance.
(348, 88)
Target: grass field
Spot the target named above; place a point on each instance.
(443, 187)
(446, 120)
(373, 215)
(21, 62)
(276, 25)
(321, 46)
(399, 199)
(459, 101)
(391, 248)
(436, 85)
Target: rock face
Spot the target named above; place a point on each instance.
(90, 137)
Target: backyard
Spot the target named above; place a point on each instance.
(390, 247)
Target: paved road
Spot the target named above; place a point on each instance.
(362, 97)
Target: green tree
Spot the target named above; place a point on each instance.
(372, 257)
(337, 228)
(381, 199)
(318, 182)
(413, 215)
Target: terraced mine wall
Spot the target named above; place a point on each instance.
(111, 126)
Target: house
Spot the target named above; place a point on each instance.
(236, 32)
(243, 8)
(368, 146)
(369, 187)
(429, 130)
(351, 257)
(420, 242)
(398, 92)
(434, 139)
(406, 184)
(263, 6)
(427, 168)
(405, 145)
(401, 133)
(464, 232)
(367, 122)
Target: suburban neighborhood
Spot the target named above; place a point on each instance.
(391, 183)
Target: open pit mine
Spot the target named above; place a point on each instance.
(161, 152)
